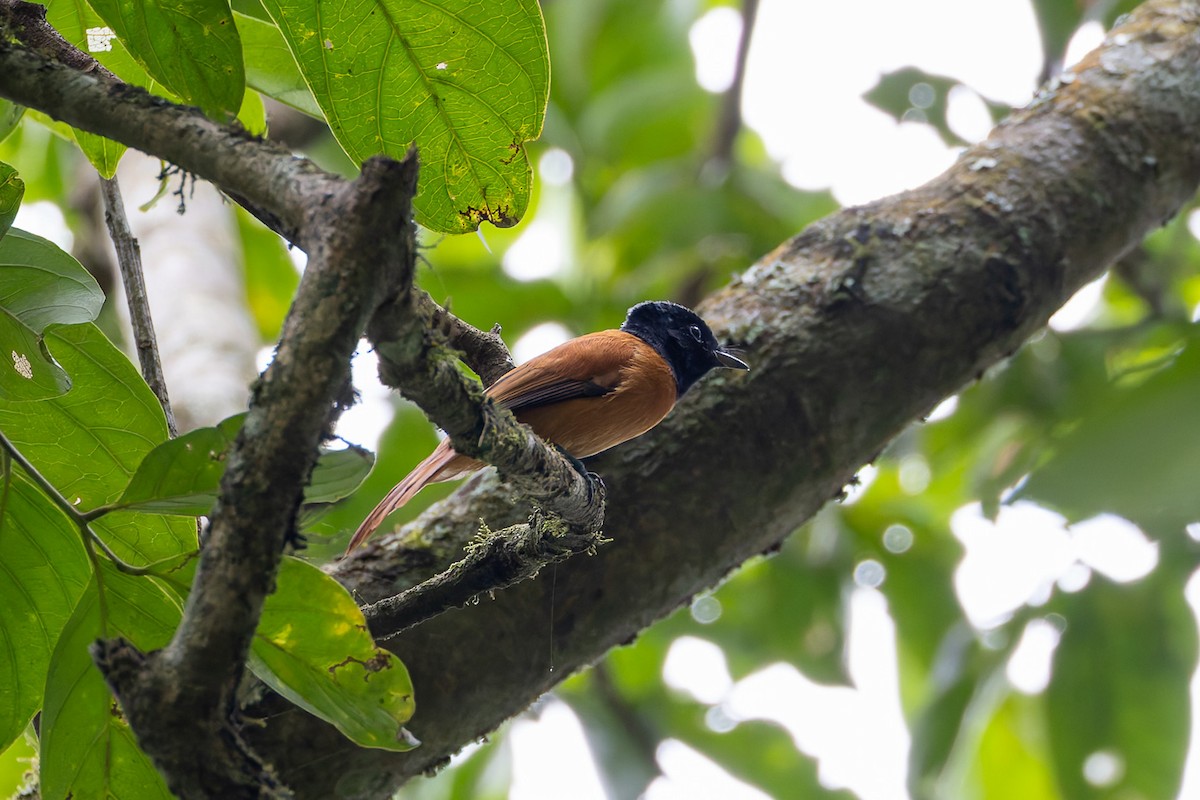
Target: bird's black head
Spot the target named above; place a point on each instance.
(681, 338)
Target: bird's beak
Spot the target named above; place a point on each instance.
(731, 361)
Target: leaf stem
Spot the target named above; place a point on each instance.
(121, 564)
(75, 514)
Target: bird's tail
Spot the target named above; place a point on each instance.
(438, 466)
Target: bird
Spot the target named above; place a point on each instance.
(588, 394)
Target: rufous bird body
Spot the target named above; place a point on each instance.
(587, 395)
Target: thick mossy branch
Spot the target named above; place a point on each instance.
(495, 560)
(856, 328)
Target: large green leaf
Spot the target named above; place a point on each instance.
(89, 441)
(40, 285)
(1137, 454)
(12, 189)
(182, 476)
(270, 67)
(74, 19)
(338, 474)
(465, 81)
(190, 46)
(1120, 687)
(87, 747)
(43, 571)
(312, 646)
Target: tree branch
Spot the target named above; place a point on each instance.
(485, 353)
(729, 122)
(857, 327)
(129, 260)
(496, 560)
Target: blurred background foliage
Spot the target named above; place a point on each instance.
(649, 194)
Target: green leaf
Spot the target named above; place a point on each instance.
(16, 763)
(1137, 454)
(253, 114)
(969, 683)
(30, 373)
(465, 82)
(43, 571)
(182, 476)
(270, 67)
(10, 116)
(73, 20)
(1011, 761)
(338, 474)
(87, 747)
(12, 189)
(312, 647)
(40, 285)
(190, 46)
(1120, 686)
(103, 154)
(89, 441)
(270, 276)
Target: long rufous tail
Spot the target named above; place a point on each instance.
(431, 470)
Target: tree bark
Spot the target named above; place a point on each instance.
(854, 329)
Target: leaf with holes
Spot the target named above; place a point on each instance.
(464, 81)
(312, 646)
(89, 441)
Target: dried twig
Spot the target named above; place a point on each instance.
(129, 258)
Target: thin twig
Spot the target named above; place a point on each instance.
(129, 257)
(730, 120)
(79, 518)
(485, 353)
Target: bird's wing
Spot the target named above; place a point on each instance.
(589, 366)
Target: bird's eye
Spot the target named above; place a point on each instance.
(694, 330)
